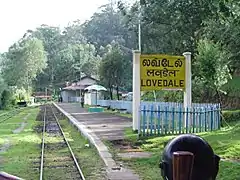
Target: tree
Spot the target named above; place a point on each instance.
(68, 53)
(73, 33)
(53, 43)
(226, 32)
(112, 70)
(6, 99)
(86, 59)
(108, 26)
(212, 67)
(23, 62)
(170, 26)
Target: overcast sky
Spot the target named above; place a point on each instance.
(16, 16)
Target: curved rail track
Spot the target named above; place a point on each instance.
(57, 156)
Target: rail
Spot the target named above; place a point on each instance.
(43, 142)
(10, 114)
(65, 140)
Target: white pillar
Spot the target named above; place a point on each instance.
(136, 90)
(188, 81)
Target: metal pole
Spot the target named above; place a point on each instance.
(80, 91)
(27, 87)
(188, 89)
(45, 95)
(136, 89)
(139, 28)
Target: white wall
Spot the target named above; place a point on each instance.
(66, 95)
(90, 97)
(87, 98)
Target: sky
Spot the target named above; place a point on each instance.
(17, 16)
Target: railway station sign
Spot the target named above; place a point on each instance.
(159, 72)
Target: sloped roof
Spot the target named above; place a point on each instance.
(78, 85)
(74, 87)
(90, 77)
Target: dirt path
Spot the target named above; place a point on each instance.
(5, 146)
(7, 143)
(20, 129)
(23, 124)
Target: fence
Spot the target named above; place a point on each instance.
(164, 118)
(127, 105)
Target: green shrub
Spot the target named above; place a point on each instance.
(231, 116)
(6, 100)
(167, 96)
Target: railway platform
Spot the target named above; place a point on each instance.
(98, 127)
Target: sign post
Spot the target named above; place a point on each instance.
(188, 77)
(160, 72)
(136, 90)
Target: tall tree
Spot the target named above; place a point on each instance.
(23, 62)
(108, 26)
(53, 43)
(69, 55)
(225, 30)
(170, 26)
(212, 64)
(73, 33)
(113, 70)
(86, 59)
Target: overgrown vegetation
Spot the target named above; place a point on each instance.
(20, 149)
(87, 156)
(101, 47)
(225, 143)
(231, 116)
(14, 157)
(49, 57)
(115, 68)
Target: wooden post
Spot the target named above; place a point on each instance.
(182, 165)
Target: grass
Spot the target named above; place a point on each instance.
(18, 159)
(232, 111)
(225, 143)
(22, 159)
(56, 155)
(117, 113)
(88, 157)
(3, 112)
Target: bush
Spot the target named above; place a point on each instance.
(167, 96)
(231, 116)
(6, 100)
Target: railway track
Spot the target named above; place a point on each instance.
(57, 158)
(7, 115)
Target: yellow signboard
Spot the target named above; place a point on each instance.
(159, 72)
